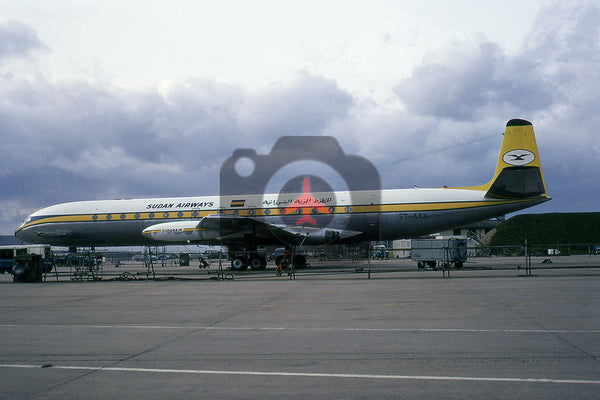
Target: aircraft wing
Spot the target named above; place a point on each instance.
(231, 228)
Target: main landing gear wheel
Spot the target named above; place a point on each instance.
(239, 264)
(299, 261)
(258, 263)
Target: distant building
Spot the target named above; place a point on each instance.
(481, 231)
(477, 234)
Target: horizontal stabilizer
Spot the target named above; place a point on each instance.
(518, 182)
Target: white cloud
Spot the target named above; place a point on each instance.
(469, 79)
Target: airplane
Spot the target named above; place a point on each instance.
(245, 222)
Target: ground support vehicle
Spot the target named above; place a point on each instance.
(26, 263)
(439, 253)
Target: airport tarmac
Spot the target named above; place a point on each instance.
(487, 335)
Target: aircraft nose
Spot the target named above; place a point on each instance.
(22, 233)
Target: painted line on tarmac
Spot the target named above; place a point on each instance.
(411, 330)
(309, 374)
(315, 329)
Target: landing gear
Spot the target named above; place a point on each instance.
(299, 261)
(284, 261)
(244, 254)
(258, 263)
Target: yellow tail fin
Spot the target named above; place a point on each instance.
(519, 171)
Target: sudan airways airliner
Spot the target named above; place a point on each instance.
(244, 222)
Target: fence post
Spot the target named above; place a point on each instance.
(369, 261)
(527, 259)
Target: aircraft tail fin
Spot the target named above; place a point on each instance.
(519, 171)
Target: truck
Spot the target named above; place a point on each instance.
(26, 263)
(439, 252)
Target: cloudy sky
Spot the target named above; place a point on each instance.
(122, 99)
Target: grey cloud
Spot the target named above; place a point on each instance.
(307, 105)
(473, 78)
(557, 68)
(74, 140)
(17, 40)
(570, 53)
(566, 40)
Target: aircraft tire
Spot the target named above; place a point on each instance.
(299, 261)
(258, 263)
(238, 264)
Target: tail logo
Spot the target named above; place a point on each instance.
(518, 157)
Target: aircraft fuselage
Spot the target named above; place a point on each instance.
(402, 213)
